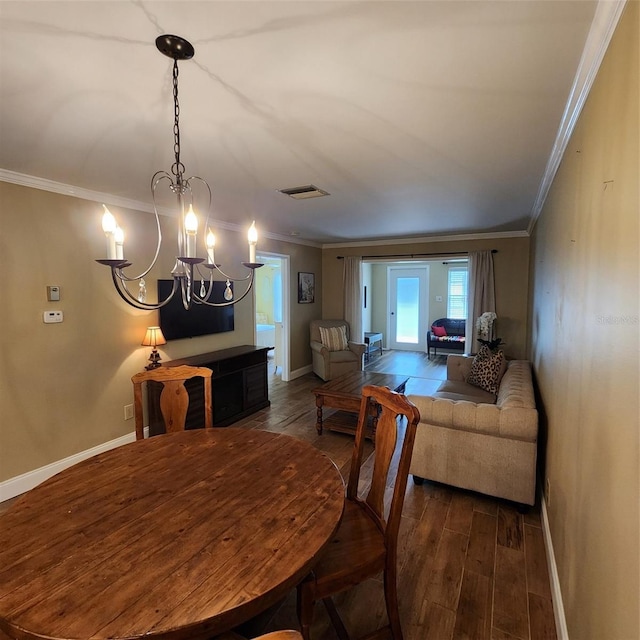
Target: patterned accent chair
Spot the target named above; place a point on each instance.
(329, 364)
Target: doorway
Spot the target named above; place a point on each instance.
(408, 307)
(271, 303)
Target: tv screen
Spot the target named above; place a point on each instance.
(200, 320)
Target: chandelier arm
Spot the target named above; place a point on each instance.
(227, 277)
(154, 182)
(229, 302)
(187, 288)
(129, 298)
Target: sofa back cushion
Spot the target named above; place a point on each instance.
(452, 326)
(334, 338)
(314, 328)
(516, 388)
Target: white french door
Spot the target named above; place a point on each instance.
(408, 308)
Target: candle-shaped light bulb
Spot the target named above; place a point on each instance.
(253, 240)
(211, 243)
(109, 226)
(108, 221)
(191, 227)
(118, 236)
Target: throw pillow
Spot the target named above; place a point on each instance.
(439, 332)
(334, 338)
(487, 369)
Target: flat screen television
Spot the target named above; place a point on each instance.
(200, 320)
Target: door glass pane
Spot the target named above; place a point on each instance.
(407, 310)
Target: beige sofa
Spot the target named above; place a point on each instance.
(470, 438)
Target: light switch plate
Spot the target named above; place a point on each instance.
(52, 317)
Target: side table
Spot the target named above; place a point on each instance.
(370, 339)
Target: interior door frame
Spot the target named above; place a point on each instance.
(423, 305)
(285, 268)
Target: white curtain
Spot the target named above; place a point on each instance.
(482, 294)
(353, 296)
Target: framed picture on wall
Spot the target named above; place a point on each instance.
(306, 287)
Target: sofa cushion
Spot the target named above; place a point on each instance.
(487, 369)
(334, 338)
(458, 390)
(439, 332)
(449, 339)
(343, 356)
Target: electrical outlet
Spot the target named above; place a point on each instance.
(128, 411)
(547, 492)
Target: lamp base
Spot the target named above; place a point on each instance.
(154, 360)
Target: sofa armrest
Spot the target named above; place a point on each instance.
(319, 347)
(357, 347)
(458, 367)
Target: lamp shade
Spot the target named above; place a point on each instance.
(153, 337)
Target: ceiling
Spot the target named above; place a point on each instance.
(425, 118)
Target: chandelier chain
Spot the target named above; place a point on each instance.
(178, 168)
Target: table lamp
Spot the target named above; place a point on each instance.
(153, 338)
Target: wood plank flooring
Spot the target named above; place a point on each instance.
(471, 567)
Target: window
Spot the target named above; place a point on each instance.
(457, 293)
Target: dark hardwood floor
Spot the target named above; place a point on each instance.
(471, 567)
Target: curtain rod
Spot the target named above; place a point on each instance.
(442, 254)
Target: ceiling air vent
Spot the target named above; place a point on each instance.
(302, 193)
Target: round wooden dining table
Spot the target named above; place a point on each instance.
(183, 535)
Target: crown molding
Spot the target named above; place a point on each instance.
(137, 205)
(43, 184)
(422, 239)
(604, 23)
(78, 192)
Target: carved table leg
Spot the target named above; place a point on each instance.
(319, 402)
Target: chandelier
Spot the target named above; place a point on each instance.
(189, 270)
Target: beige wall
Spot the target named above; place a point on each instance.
(64, 386)
(585, 351)
(511, 265)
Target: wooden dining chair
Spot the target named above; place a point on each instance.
(366, 541)
(174, 398)
(274, 635)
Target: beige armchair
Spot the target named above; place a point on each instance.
(329, 364)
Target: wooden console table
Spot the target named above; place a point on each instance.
(239, 385)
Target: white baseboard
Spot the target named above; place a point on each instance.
(298, 373)
(556, 593)
(21, 484)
